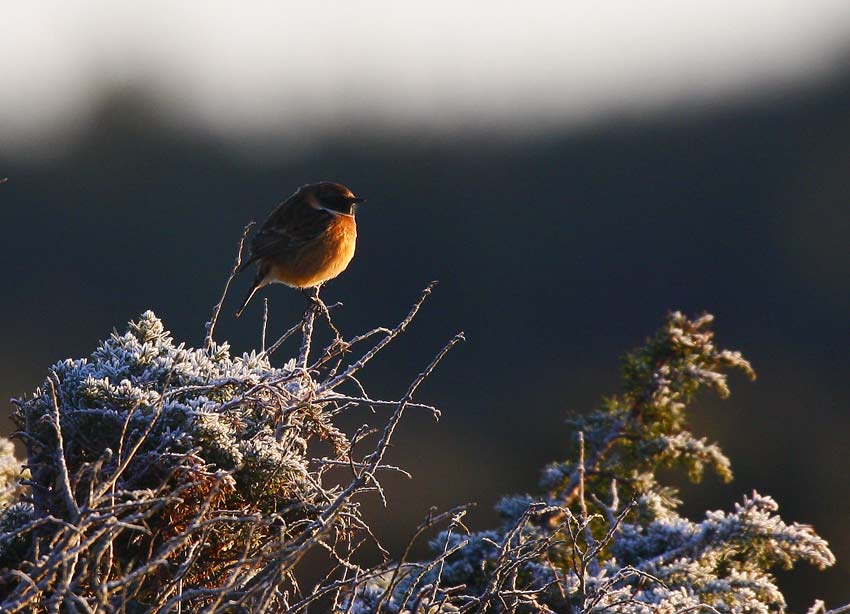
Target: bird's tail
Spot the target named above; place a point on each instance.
(258, 283)
(247, 299)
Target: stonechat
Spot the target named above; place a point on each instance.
(307, 240)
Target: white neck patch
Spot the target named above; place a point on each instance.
(315, 204)
(336, 213)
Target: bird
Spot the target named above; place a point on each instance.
(308, 239)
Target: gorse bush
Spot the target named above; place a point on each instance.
(604, 536)
(152, 430)
(162, 478)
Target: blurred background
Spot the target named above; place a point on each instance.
(570, 171)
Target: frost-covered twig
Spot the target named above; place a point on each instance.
(208, 341)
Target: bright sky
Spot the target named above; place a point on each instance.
(270, 67)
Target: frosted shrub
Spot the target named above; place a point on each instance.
(166, 477)
(163, 478)
(605, 535)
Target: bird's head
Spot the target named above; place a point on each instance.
(332, 197)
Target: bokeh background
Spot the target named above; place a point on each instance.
(570, 171)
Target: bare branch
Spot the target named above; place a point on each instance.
(208, 342)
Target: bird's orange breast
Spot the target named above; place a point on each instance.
(319, 260)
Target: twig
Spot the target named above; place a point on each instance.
(265, 325)
(208, 342)
(306, 335)
(271, 350)
(392, 334)
(56, 422)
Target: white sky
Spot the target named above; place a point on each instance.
(255, 68)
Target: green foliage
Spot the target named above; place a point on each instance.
(643, 429)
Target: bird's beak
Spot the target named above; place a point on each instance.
(358, 200)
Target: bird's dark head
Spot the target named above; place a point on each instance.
(331, 197)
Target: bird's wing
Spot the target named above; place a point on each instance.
(293, 224)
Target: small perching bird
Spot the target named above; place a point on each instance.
(307, 240)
